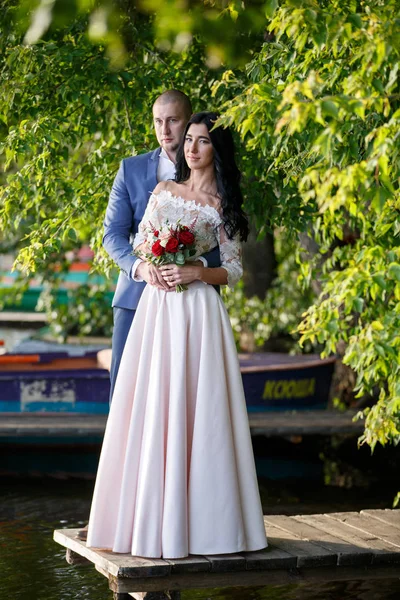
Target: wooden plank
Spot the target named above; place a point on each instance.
(141, 595)
(224, 563)
(101, 570)
(274, 362)
(118, 565)
(189, 564)
(267, 423)
(9, 316)
(347, 553)
(386, 515)
(375, 528)
(307, 422)
(75, 559)
(99, 558)
(270, 558)
(381, 551)
(257, 578)
(62, 425)
(308, 554)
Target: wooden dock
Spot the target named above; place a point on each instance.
(269, 424)
(325, 547)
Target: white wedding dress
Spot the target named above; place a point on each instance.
(176, 473)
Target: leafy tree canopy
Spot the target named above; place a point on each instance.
(316, 106)
(321, 104)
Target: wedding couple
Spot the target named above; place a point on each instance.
(176, 473)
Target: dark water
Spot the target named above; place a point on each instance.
(33, 567)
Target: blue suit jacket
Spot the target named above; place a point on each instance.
(130, 193)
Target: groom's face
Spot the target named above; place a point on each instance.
(169, 123)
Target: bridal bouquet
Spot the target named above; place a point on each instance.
(170, 244)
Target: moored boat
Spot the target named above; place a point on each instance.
(65, 382)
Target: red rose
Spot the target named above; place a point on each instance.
(186, 237)
(156, 233)
(157, 249)
(172, 245)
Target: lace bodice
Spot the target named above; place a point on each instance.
(209, 229)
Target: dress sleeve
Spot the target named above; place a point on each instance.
(231, 256)
(141, 235)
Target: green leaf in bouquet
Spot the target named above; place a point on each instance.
(169, 257)
(180, 259)
(192, 251)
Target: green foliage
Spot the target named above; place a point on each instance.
(84, 312)
(321, 104)
(230, 29)
(66, 121)
(278, 314)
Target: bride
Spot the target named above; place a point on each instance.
(176, 473)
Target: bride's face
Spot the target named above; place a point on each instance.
(199, 153)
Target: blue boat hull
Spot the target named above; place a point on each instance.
(271, 382)
(78, 391)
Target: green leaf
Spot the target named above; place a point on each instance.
(358, 304)
(72, 234)
(329, 108)
(270, 7)
(379, 199)
(394, 271)
(355, 20)
(380, 280)
(332, 327)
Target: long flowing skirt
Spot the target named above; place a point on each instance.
(176, 473)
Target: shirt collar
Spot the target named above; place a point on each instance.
(165, 156)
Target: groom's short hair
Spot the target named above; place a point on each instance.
(176, 96)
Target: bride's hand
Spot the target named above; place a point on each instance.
(152, 275)
(175, 274)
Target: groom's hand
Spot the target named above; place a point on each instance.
(152, 275)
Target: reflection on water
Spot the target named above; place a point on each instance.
(33, 567)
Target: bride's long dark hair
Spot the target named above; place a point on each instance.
(227, 173)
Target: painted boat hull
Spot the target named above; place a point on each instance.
(56, 382)
(275, 381)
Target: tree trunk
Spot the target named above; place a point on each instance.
(259, 263)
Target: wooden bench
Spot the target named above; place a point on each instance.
(324, 547)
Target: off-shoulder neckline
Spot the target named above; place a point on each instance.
(189, 202)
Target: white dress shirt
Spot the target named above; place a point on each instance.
(165, 171)
(166, 168)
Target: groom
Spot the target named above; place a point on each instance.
(135, 180)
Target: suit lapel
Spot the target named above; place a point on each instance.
(152, 165)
